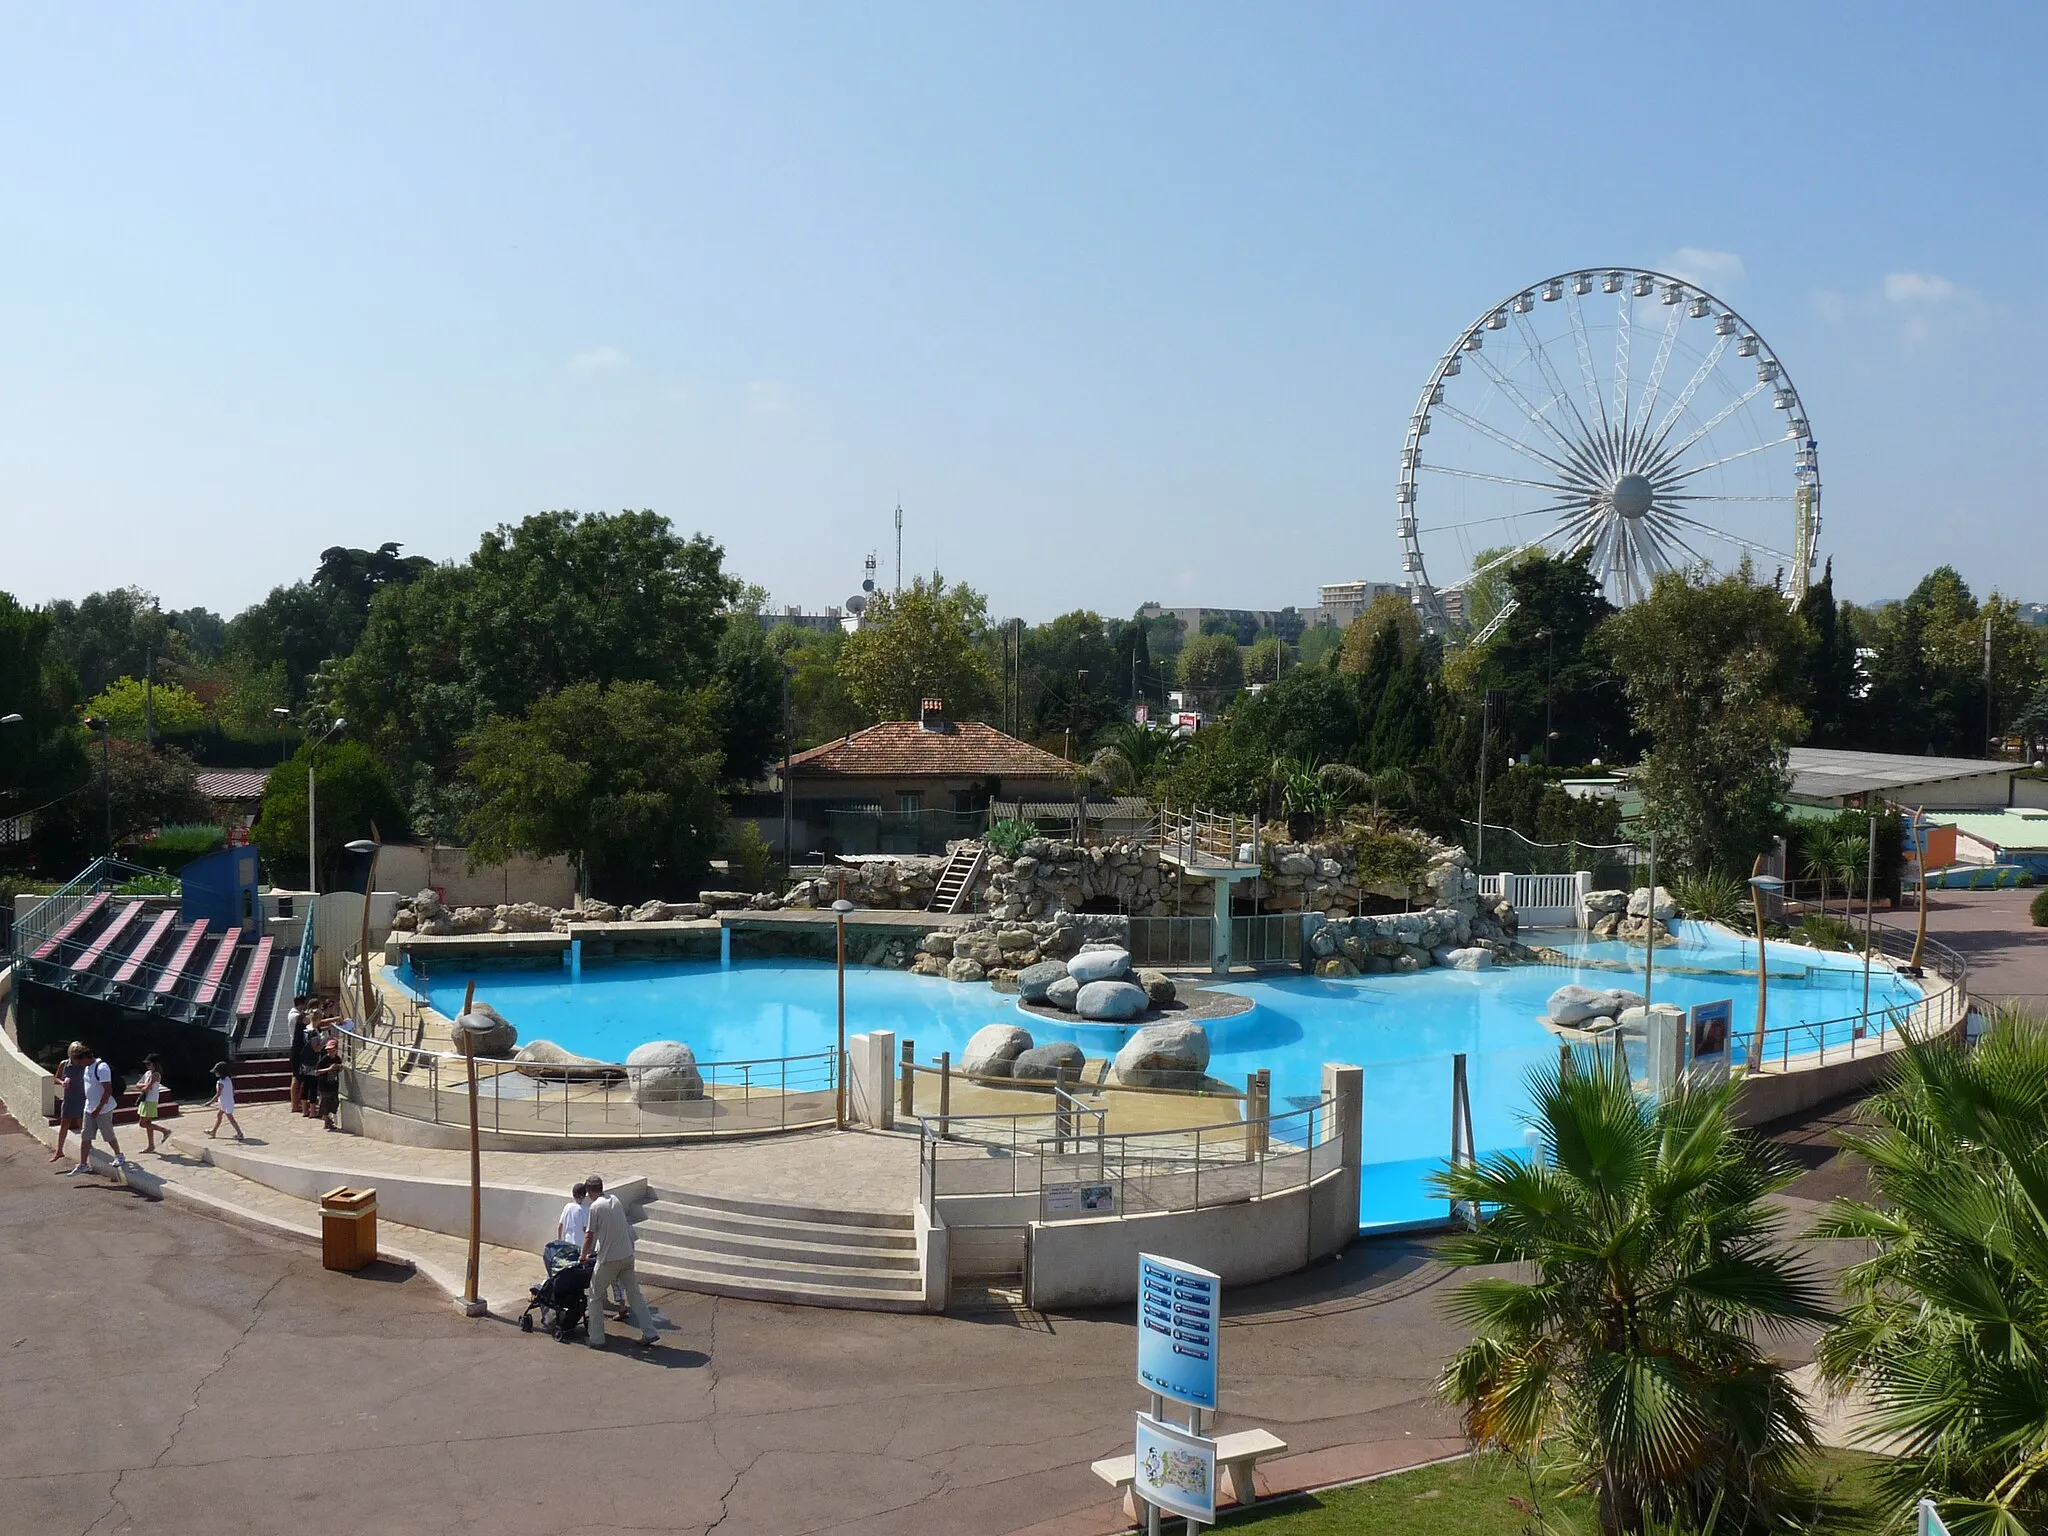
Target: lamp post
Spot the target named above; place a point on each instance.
(1759, 882)
(106, 729)
(788, 785)
(366, 845)
(1549, 668)
(280, 714)
(312, 823)
(839, 910)
(1870, 908)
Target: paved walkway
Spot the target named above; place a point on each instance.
(2008, 955)
(168, 1372)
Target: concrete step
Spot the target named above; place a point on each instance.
(167, 1109)
(794, 1245)
(768, 1267)
(796, 1288)
(686, 1217)
(778, 1211)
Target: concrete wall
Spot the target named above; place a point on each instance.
(25, 1088)
(871, 1080)
(414, 867)
(513, 1216)
(338, 928)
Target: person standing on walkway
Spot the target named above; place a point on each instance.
(71, 1105)
(297, 1056)
(223, 1101)
(97, 1117)
(148, 1093)
(609, 1246)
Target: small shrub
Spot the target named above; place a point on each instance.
(1830, 932)
(1007, 836)
(749, 862)
(1712, 897)
(179, 844)
(2039, 910)
(1384, 857)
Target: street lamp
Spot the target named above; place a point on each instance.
(280, 714)
(365, 845)
(105, 727)
(839, 910)
(312, 854)
(16, 720)
(1759, 883)
(1549, 667)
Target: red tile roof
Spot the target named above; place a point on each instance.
(232, 786)
(904, 749)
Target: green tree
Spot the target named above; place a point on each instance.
(820, 708)
(1319, 642)
(917, 644)
(1553, 673)
(295, 630)
(150, 788)
(1404, 728)
(1130, 759)
(1362, 636)
(127, 704)
(1831, 674)
(1945, 1326)
(1712, 670)
(1212, 668)
(1927, 678)
(113, 634)
(622, 777)
(1625, 1350)
(1262, 663)
(353, 798)
(41, 757)
(1072, 676)
(747, 689)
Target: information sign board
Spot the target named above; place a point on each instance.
(1709, 1024)
(1175, 1470)
(1180, 1309)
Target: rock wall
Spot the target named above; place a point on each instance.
(1323, 877)
(893, 885)
(1414, 941)
(996, 949)
(1049, 876)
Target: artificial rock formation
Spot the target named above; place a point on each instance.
(1165, 1056)
(664, 1071)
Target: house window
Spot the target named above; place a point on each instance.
(909, 804)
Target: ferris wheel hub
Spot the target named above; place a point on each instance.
(1632, 495)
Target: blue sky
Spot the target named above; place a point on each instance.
(1123, 303)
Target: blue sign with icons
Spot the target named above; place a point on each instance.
(1180, 1309)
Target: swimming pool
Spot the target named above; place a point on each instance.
(1403, 1030)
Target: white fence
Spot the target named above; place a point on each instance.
(1543, 901)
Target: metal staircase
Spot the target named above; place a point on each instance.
(958, 879)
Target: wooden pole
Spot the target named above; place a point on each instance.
(473, 1305)
(839, 1061)
(1756, 897)
(1920, 857)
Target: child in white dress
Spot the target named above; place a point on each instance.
(149, 1093)
(223, 1101)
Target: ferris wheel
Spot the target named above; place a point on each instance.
(1619, 411)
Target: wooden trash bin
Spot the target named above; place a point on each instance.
(348, 1228)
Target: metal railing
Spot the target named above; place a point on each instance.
(1074, 1168)
(385, 1067)
(1172, 942)
(1208, 837)
(1537, 892)
(1266, 939)
(302, 978)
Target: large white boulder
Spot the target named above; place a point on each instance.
(1043, 1063)
(1111, 1001)
(1469, 959)
(488, 1030)
(1105, 964)
(1643, 902)
(1164, 1055)
(1064, 994)
(664, 1071)
(993, 1048)
(1033, 980)
(549, 1062)
(1576, 1004)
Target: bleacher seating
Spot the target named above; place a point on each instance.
(174, 969)
(151, 937)
(76, 924)
(216, 972)
(89, 957)
(252, 981)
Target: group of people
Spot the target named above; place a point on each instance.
(89, 1092)
(596, 1230)
(315, 1063)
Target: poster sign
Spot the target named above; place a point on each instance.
(1175, 1470)
(1180, 1309)
(1080, 1199)
(1709, 1024)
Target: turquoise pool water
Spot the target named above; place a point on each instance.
(1403, 1030)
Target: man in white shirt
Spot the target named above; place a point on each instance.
(575, 1220)
(99, 1111)
(608, 1244)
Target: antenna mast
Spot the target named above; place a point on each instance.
(899, 549)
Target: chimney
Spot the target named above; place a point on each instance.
(931, 715)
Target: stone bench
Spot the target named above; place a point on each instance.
(1237, 1454)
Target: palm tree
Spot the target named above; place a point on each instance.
(1820, 848)
(1852, 852)
(1625, 1351)
(1129, 757)
(1946, 1326)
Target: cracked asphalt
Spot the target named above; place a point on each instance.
(168, 1372)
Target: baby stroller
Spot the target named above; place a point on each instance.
(560, 1299)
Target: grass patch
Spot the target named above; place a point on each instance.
(1489, 1496)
